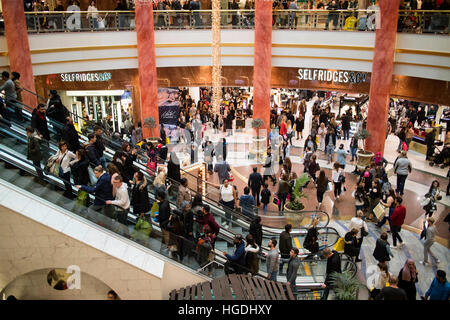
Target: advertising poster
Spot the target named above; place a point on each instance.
(169, 109)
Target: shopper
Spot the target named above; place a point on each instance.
(255, 182)
(70, 135)
(285, 245)
(378, 281)
(402, 167)
(439, 289)
(337, 175)
(247, 203)
(321, 133)
(265, 197)
(236, 262)
(207, 219)
(389, 207)
(322, 186)
(256, 230)
(11, 95)
(228, 199)
(351, 243)
(393, 292)
(39, 122)
(121, 200)
(34, 152)
(63, 158)
(341, 154)
(283, 191)
(382, 251)
(251, 255)
(292, 270)
(434, 195)
(397, 219)
(407, 279)
(164, 213)
(269, 171)
(333, 265)
(311, 242)
(184, 193)
(223, 169)
(430, 239)
(272, 260)
(139, 194)
(100, 145)
(102, 191)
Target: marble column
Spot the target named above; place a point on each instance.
(19, 48)
(382, 69)
(263, 62)
(148, 83)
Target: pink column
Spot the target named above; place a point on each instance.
(263, 61)
(147, 65)
(18, 47)
(382, 69)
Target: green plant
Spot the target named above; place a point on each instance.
(297, 194)
(362, 134)
(257, 123)
(345, 285)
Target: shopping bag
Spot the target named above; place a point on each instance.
(275, 200)
(167, 141)
(81, 199)
(142, 229)
(302, 157)
(330, 186)
(231, 178)
(339, 246)
(379, 211)
(390, 172)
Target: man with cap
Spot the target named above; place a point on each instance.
(237, 260)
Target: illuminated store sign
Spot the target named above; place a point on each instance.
(332, 76)
(86, 77)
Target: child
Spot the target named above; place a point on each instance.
(265, 196)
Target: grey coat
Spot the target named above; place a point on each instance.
(402, 166)
(291, 273)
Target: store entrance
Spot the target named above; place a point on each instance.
(112, 109)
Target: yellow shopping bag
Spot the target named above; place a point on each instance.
(339, 246)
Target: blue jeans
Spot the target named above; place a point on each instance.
(401, 179)
(265, 206)
(103, 162)
(346, 134)
(353, 151)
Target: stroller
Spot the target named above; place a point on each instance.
(441, 158)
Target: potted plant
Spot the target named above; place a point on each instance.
(258, 144)
(363, 157)
(150, 123)
(346, 287)
(294, 207)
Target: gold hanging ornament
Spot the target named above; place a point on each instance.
(216, 62)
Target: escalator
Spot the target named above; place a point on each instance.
(13, 151)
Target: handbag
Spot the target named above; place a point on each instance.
(275, 200)
(339, 246)
(329, 186)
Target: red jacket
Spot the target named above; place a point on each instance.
(283, 129)
(209, 220)
(398, 216)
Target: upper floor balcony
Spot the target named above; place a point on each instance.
(413, 21)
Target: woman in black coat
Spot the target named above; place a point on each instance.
(256, 230)
(407, 279)
(130, 157)
(139, 194)
(39, 122)
(173, 167)
(79, 168)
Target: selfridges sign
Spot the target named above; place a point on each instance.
(86, 77)
(334, 76)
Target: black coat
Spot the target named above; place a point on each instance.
(408, 286)
(99, 146)
(255, 181)
(40, 125)
(188, 221)
(256, 232)
(285, 243)
(139, 199)
(56, 110)
(164, 214)
(333, 265)
(333, 139)
(70, 135)
(93, 155)
(128, 168)
(173, 170)
(380, 252)
(80, 172)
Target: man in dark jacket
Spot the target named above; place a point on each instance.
(236, 262)
(247, 203)
(392, 292)
(100, 145)
(291, 273)
(256, 230)
(56, 110)
(255, 181)
(163, 215)
(333, 265)
(34, 151)
(346, 126)
(102, 191)
(92, 151)
(429, 141)
(39, 122)
(285, 246)
(70, 135)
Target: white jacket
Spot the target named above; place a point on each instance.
(122, 199)
(66, 158)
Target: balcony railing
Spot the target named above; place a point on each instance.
(418, 21)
